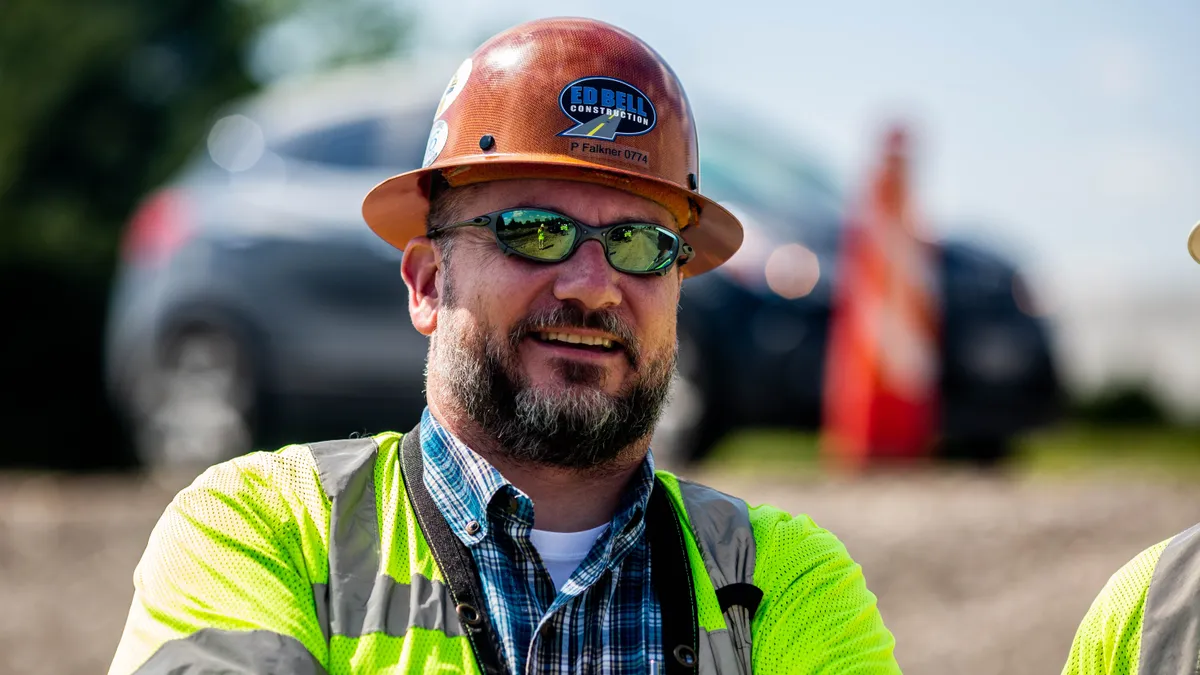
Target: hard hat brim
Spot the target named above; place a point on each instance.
(396, 209)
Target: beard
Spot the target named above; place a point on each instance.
(579, 426)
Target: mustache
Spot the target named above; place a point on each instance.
(572, 316)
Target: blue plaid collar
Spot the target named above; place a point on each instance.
(465, 487)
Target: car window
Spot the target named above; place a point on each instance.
(778, 181)
(377, 142)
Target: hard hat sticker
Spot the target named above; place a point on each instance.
(457, 82)
(605, 107)
(437, 141)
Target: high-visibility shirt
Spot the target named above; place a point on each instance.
(323, 558)
(1146, 620)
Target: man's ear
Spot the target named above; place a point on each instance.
(420, 267)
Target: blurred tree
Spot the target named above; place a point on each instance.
(102, 101)
(305, 35)
(1123, 403)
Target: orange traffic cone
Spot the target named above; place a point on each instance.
(881, 384)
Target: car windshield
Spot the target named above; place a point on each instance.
(773, 180)
(392, 144)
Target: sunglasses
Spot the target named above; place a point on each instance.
(549, 237)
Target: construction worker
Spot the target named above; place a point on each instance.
(520, 526)
(1146, 620)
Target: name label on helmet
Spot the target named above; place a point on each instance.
(605, 107)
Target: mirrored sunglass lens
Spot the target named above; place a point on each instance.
(537, 234)
(641, 248)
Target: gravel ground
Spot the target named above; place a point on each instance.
(975, 574)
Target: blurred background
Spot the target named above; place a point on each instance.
(188, 278)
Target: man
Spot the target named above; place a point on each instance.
(1146, 620)
(521, 526)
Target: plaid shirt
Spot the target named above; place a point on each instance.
(605, 619)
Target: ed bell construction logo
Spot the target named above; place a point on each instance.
(605, 107)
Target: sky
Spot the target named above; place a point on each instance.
(1067, 137)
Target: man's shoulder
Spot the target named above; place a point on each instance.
(1126, 589)
(1139, 570)
(253, 478)
(778, 534)
(289, 471)
(813, 592)
(1108, 638)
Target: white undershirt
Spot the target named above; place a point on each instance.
(563, 551)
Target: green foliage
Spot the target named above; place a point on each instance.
(302, 36)
(1121, 404)
(1069, 450)
(103, 101)
(1077, 450)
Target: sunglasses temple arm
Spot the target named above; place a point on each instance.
(466, 223)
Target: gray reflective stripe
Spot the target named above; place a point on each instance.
(361, 599)
(347, 472)
(722, 526)
(428, 605)
(393, 607)
(717, 654)
(341, 463)
(725, 538)
(1171, 623)
(226, 652)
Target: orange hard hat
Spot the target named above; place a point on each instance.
(1194, 243)
(571, 99)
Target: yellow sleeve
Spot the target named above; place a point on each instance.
(817, 615)
(1108, 640)
(225, 583)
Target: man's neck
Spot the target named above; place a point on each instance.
(565, 500)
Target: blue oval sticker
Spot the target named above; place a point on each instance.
(605, 107)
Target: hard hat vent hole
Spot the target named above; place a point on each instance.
(487, 142)
(692, 182)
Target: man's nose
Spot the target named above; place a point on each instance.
(588, 279)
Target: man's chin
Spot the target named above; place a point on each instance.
(567, 377)
(565, 395)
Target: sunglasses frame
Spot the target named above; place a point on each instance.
(683, 252)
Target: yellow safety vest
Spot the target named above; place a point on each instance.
(1146, 620)
(331, 558)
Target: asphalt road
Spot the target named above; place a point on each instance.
(604, 126)
(981, 575)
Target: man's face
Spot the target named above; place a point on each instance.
(512, 334)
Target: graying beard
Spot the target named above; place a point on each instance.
(592, 409)
(455, 366)
(594, 425)
(458, 367)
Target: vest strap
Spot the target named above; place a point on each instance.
(671, 576)
(453, 558)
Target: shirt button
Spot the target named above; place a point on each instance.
(512, 506)
(473, 527)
